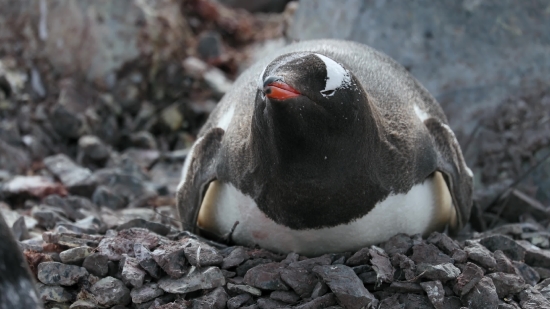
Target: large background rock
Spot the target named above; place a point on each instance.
(470, 54)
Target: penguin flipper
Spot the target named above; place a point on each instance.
(200, 172)
(451, 164)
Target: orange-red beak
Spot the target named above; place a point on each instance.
(280, 91)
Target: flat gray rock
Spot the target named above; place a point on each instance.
(196, 279)
(345, 285)
(55, 273)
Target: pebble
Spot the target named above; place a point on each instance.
(266, 277)
(196, 279)
(435, 292)
(243, 288)
(505, 244)
(481, 255)
(429, 254)
(171, 258)
(300, 280)
(145, 293)
(507, 284)
(442, 272)
(482, 296)
(239, 301)
(110, 291)
(132, 274)
(217, 299)
(200, 254)
(345, 285)
(53, 293)
(75, 255)
(381, 265)
(54, 273)
(96, 264)
(77, 179)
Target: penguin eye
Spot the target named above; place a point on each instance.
(262, 95)
(328, 93)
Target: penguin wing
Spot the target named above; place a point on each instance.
(201, 170)
(451, 164)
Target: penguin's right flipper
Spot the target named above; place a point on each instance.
(200, 173)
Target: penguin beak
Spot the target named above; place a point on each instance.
(275, 88)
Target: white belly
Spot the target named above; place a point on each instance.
(425, 208)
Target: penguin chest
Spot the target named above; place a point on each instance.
(425, 208)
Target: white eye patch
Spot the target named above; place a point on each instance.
(337, 76)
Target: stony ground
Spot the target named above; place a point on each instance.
(88, 171)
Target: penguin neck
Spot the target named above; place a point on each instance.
(287, 146)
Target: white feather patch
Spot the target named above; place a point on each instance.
(426, 207)
(337, 76)
(226, 117)
(422, 115)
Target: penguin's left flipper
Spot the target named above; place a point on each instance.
(200, 173)
(451, 164)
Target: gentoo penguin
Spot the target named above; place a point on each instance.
(16, 283)
(325, 146)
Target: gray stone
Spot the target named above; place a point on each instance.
(217, 299)
(506, 244)
(132, 274)
(324, 301)
(242, 288)
(534, 256)
(239, 301)
(478, 253)
(83, 304)
(360, 257)
(105, 196)
(470, 276)
(91, 148)
(244, 267)
(53, 293)
(530, 276)
(530, 298)
(381, 265)
(123, 243)
(319, 290)
(415, 301)
(236, 257)
(400, 243)
(54, 273)
(75, 255)
(171, 259)
(200, 254)
(443, 242)
(96, 264)
(443, 272)
(435, 292)
(345, 284)
(266, 277)
(158, 228)
(110, 291)
(429, 254)
(300, 280)
(145, 293)
(73, 176)
(504, 264)
(482, 296)
(267, 303)
(405, 287)
(31, 186)
(196, 279)
(287, 297)
(507, 284)
(146, 261)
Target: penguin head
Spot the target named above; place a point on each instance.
(309, 92)
(308, 103)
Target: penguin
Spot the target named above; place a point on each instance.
(16, 282)
(324, 146)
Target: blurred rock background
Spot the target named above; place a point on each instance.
(117, 90)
